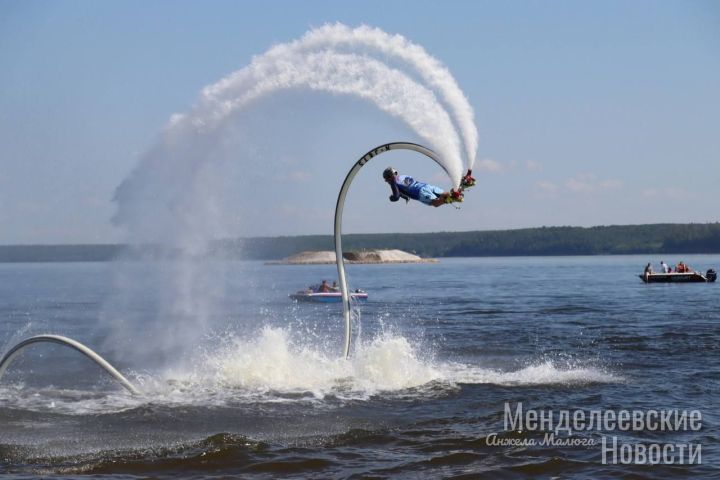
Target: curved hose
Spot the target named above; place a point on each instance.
(338, 220)
(15, 351)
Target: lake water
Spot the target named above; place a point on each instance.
(238, 380)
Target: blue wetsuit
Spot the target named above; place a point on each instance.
(405, 185)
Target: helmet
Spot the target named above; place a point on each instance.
(389, 173)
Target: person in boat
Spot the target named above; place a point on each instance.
(665, 267)
(335, 287)
(681, 268)
(406, 187)
(324, 287)
(648, 269)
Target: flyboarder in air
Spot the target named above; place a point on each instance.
(406, 187)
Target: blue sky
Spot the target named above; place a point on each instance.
(589, 113)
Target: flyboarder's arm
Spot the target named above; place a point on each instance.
(396, 194)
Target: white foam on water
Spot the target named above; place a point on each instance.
(545, 372)
(272, 363)
(271, 368)
(387, 363)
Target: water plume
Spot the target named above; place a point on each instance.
(171, 197)
(390, 90)
(431, 70)
(313, 62)
(368, 41)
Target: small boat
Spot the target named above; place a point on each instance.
(686, 277)
(326, 297)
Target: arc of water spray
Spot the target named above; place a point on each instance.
(336, 60)
(429, 68)
(314, 62)
(331, 37)
(390, 90)
(59, 339)
(338, 221)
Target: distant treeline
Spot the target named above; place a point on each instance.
(604, 240)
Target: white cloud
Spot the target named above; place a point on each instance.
(488, 165)
(675, 193)
(589, 183)
(584, 183)
(547, 186)
(650, 192)
(609, 184)
(578, 185)
(533, 166)
(300, 176)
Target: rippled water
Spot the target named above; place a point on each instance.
(242, 381)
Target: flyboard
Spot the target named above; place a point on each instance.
(456, 196)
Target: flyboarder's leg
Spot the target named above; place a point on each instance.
(468, 180)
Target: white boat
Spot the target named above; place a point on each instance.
(674, 277)
(326, 297)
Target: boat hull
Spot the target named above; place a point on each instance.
(691, 277)
(328, 297)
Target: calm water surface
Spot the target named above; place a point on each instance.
(238, 380)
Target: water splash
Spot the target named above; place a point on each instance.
(172, 196)
(543, 372)
(271, 362)
(387, 363)
(270, 368)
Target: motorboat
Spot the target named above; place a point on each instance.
(684, 277)
(326, 297)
